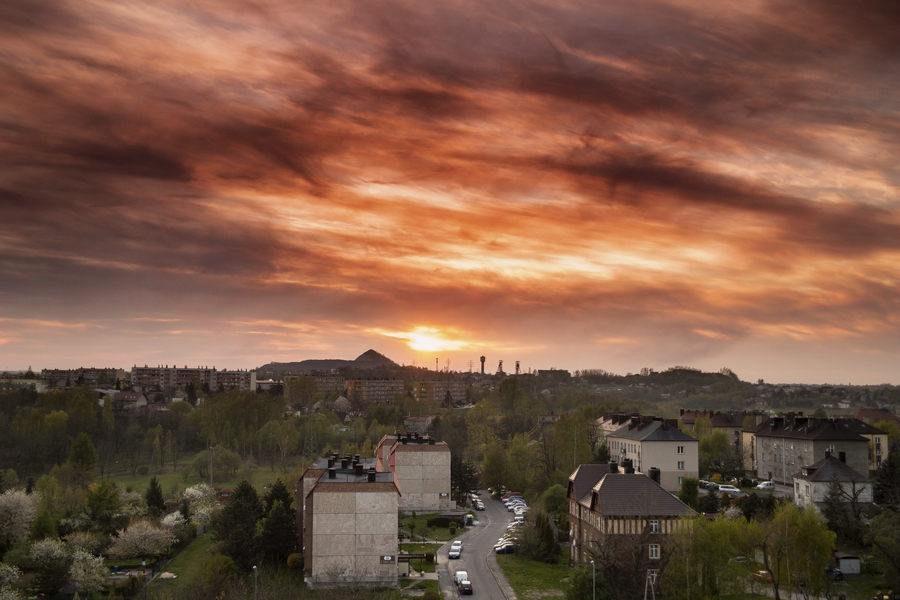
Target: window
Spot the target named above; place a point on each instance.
(679, 480)
(680, 449)
(681, 465)
(652, 575)
(654, 526)
(654, 551)
(829, 448)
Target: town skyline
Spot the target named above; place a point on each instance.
(570, 185)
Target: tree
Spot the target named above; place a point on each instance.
(884, 538)
(586, 583)
(277, 534)
(886, 480)
(44, 526)
(554, 500)
(279, 493)
(142, 538)
(235, 527)
(84, 455)
(88, 572)
(51, 561)
(102, 501)
(843, 509)
(494, 468)
(154, 496)
(797, 547)
(17, 513)
(690, 492)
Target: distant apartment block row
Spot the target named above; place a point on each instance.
(166, 377)
(380, 391)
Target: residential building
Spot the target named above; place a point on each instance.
(382, 391)
(436, 391)
(89, 375)
(650, 442)
(349, 517)
(731, 422)
(422, 467)
(779, 446)
(129, 402)
(159, 378)
(617, 512)
(812, 482)
(873, 415)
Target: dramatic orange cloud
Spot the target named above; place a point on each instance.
(569, 184)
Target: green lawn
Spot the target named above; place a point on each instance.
(441, 534)
(171, 480)
(531, 579)
(189, 565)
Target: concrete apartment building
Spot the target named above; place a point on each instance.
(422, 467)
(165, 377)
(436, 391)
(91, 376)
(617, 510)
(649, 442)
(348, 518)
(780, 446)
(381, 391)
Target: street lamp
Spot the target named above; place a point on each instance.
(593, 581)
(255, 579)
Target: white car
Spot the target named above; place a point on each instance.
(731, 490)
(766, 485)
(455, 549)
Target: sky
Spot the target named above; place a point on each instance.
(575, 185)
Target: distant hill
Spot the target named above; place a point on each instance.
(369, 359)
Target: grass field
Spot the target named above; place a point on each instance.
(174, 482)
(531, 579)
(189, 565)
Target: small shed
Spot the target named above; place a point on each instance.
(847, 563)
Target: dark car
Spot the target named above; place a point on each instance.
(465, 587)
(703, 483)
(835, 573)
(505, 549)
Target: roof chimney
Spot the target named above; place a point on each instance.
(613, 466)
(332, 473)
(654, 474)
(359, 469)
(371, 475)
(431, 441)
(344, 463)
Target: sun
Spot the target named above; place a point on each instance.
(427, 339)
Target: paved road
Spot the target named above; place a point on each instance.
(477, 557)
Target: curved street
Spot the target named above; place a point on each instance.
(477, 557)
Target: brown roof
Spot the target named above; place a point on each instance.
(584, 478)
(873, 415)
(635, 494)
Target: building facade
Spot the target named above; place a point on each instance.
(350, 519)
(381, 391)
(811, 483)
(656, 443)
(436, 391)
(165, 377)
(422, 467)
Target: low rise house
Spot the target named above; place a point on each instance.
(812, 482)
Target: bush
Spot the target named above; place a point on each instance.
(143, 470)
(431, 595)
(295, 561)
(429, 557)
(443, 521)
(453, 528)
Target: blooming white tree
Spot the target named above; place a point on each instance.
(52, 560)
(201, 501)
(17, 512)
(9, 574)
(132, 504)
(88, 572)
(173, 519)
(84, 540)
(143, 538)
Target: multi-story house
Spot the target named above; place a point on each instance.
(782, 445)
(422, 467)
(656, 443)
(349, 517)
(625, 515)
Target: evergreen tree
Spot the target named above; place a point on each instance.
(277, 534)
(235, 528)
(154, 496)
(711, 502)
(886, 481)
(690, 492)
(84, 455)
(279, 493)
(44, 526)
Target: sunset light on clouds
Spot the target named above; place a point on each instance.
(610, 185)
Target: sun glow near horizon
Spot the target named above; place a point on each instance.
(428, 339)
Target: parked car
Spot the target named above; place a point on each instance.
(459, 577)
(712, 486)
(763, 576)
(732, 491)
(455, 549)
(505, 549)
(465, 588)
(766, 485)
(479, 506)
(703, 483)
(835, 573)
